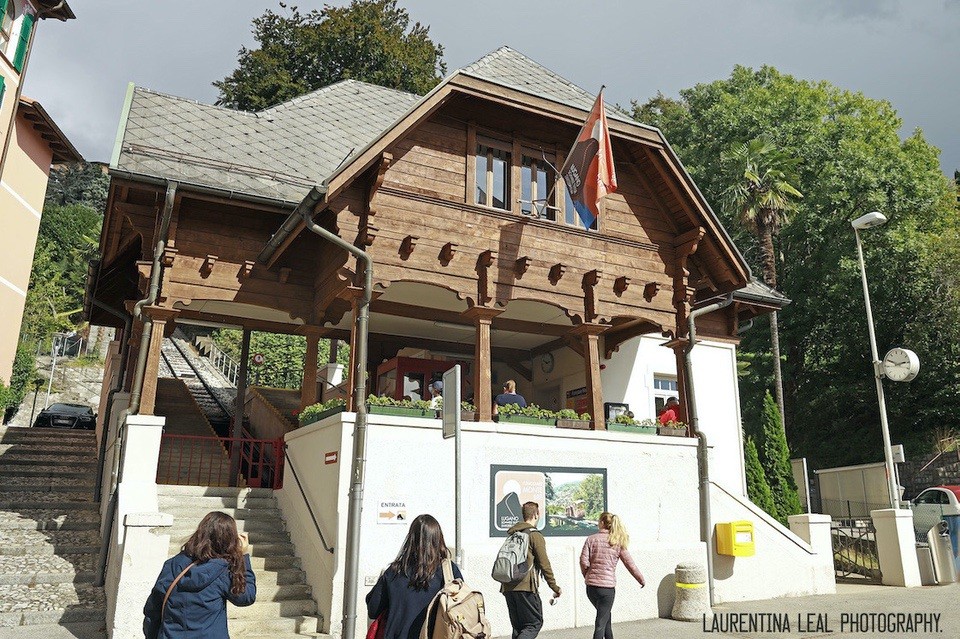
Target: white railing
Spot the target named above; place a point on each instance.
(227, 366)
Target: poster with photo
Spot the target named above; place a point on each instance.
(570, 499)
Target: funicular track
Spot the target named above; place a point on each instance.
(179, 364)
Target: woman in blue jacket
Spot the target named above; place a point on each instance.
(219, 571)
(408, 585)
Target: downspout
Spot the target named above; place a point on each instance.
(136, 388)
(703, 467)
(355, 507)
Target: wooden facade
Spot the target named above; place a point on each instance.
(526, 285)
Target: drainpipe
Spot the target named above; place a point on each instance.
(355, 508)
(703, 467)
(136, 387)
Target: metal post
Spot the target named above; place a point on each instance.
(878, 377)
(458, 505)
(53, 367)
(238, 409)
(33, 409)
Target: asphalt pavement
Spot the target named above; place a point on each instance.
(861, 611)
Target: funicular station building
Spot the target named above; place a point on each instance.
(477, 258)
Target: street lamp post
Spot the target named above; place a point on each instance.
(867, 221)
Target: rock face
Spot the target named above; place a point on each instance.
(49, 532)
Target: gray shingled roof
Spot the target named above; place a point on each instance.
(277, 153)
(757, 291)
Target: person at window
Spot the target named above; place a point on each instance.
(436, 395)
(671, 412)
(191, 594)
(598, 563)
(508, 396)
(409, 584)
(523, 597)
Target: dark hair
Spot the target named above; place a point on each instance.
(422, 552)
(530, 509)
(216, 538)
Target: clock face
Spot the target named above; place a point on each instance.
(901, 365)
(546, 362)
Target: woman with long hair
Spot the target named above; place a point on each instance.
(191, 594)
(598, 563)
(408, 585)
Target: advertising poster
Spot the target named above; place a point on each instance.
(570, 499)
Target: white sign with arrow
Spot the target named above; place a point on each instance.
(392, 512)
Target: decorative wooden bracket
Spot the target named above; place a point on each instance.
(366, 235)
(207, 267)
(556, 272)
(246, 269)
(385, 160)
(447, 252)
(284, 275)
(620, 285)
(407, 245)
(520, 266)
(484, 261)
(650, 291)
(169, 254)
(588, 284)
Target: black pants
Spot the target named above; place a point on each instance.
(526, 613)
(602, 600)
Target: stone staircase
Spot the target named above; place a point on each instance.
(284, 606)
(49, 534)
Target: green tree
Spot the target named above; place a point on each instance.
(761, 193)
(80, 183)
(369, 40)
(590, 491)
(757, 487)
(283, 355)
(854, 161)
(774, 455)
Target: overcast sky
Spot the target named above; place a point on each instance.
(905, 51)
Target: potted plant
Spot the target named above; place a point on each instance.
(626, 424)
(380, 405)
(530, 414)
(468, 412)
(316, 412)
(568, 418)
(673, 429)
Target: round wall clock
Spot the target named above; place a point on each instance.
(900, 365)
(546, 362)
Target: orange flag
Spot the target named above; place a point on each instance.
(588, 171)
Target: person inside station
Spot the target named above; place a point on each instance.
(671, 411)
(508, 396)
(436, 394)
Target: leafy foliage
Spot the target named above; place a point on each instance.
(81, 183)
(283, 354)
(774, 456)
(310, 414)
(369, 40)
(854, 161)
(757, 487)
(384, 400)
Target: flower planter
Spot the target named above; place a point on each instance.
(579, 424)
(672, 432)
(468, 416)
(631, 428)
(523, 419)
(401, 411)
(329, 412)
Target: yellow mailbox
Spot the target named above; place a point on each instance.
(735, 538)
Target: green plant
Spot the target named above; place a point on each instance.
(468, 407)
(569, 413)
(623, 418)
(674, 425)
(381, 400)
(309, 414)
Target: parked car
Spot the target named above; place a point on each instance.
(932, 504)
(76, 416)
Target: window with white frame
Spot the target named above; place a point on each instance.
(6, 24)
(664, 387)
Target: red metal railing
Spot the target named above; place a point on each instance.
(192, 460)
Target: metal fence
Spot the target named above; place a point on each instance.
(191, 460)
(855, 550)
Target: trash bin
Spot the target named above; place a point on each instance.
(925, 560)
(942, 554)
(953, 526)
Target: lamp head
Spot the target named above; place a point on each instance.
(869, 221)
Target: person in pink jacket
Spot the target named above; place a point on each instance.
(598, 563)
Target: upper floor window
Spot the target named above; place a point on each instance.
(6, 24)
(538, 186)
(493, 173)
(16, 27)
(663, 389)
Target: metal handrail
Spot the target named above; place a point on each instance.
(306, 501)
(252, 455)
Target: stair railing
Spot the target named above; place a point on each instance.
(306, 501)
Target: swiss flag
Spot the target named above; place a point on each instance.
(588, 172)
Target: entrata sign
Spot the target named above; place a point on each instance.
(258, 359)
(392, 512)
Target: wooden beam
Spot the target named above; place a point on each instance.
(399, 309)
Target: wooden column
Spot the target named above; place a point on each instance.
(679, 347)
(589, 335)
(308, 388)
(159, 316)
(238, 408)
(482, 317)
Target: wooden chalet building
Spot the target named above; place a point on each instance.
(447, 193)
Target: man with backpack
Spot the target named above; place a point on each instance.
(523, 598)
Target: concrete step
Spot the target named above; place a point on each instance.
(281, 592)
(50, 603)
(49, 519)
(19, 542)
(41, 459)
(209, 491)
(195, 514)
(10, 433)
(256, 550)
(60, 485)
(183, 527)
(66, 630)
(45, 470)
(268, 609)
(27, 570)
(215, 503)
(289, 626)
(179, 537)
(21, 501)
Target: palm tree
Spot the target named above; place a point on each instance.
(762, 194)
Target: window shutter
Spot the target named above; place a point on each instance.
(25, 29)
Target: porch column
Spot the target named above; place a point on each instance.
(160, 317)
(238, 408)
(589, 335)
(308, 388)
(679, 347)
(482, 317)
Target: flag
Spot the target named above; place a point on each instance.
(588, 171)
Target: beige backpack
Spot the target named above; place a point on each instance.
(460, 611)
